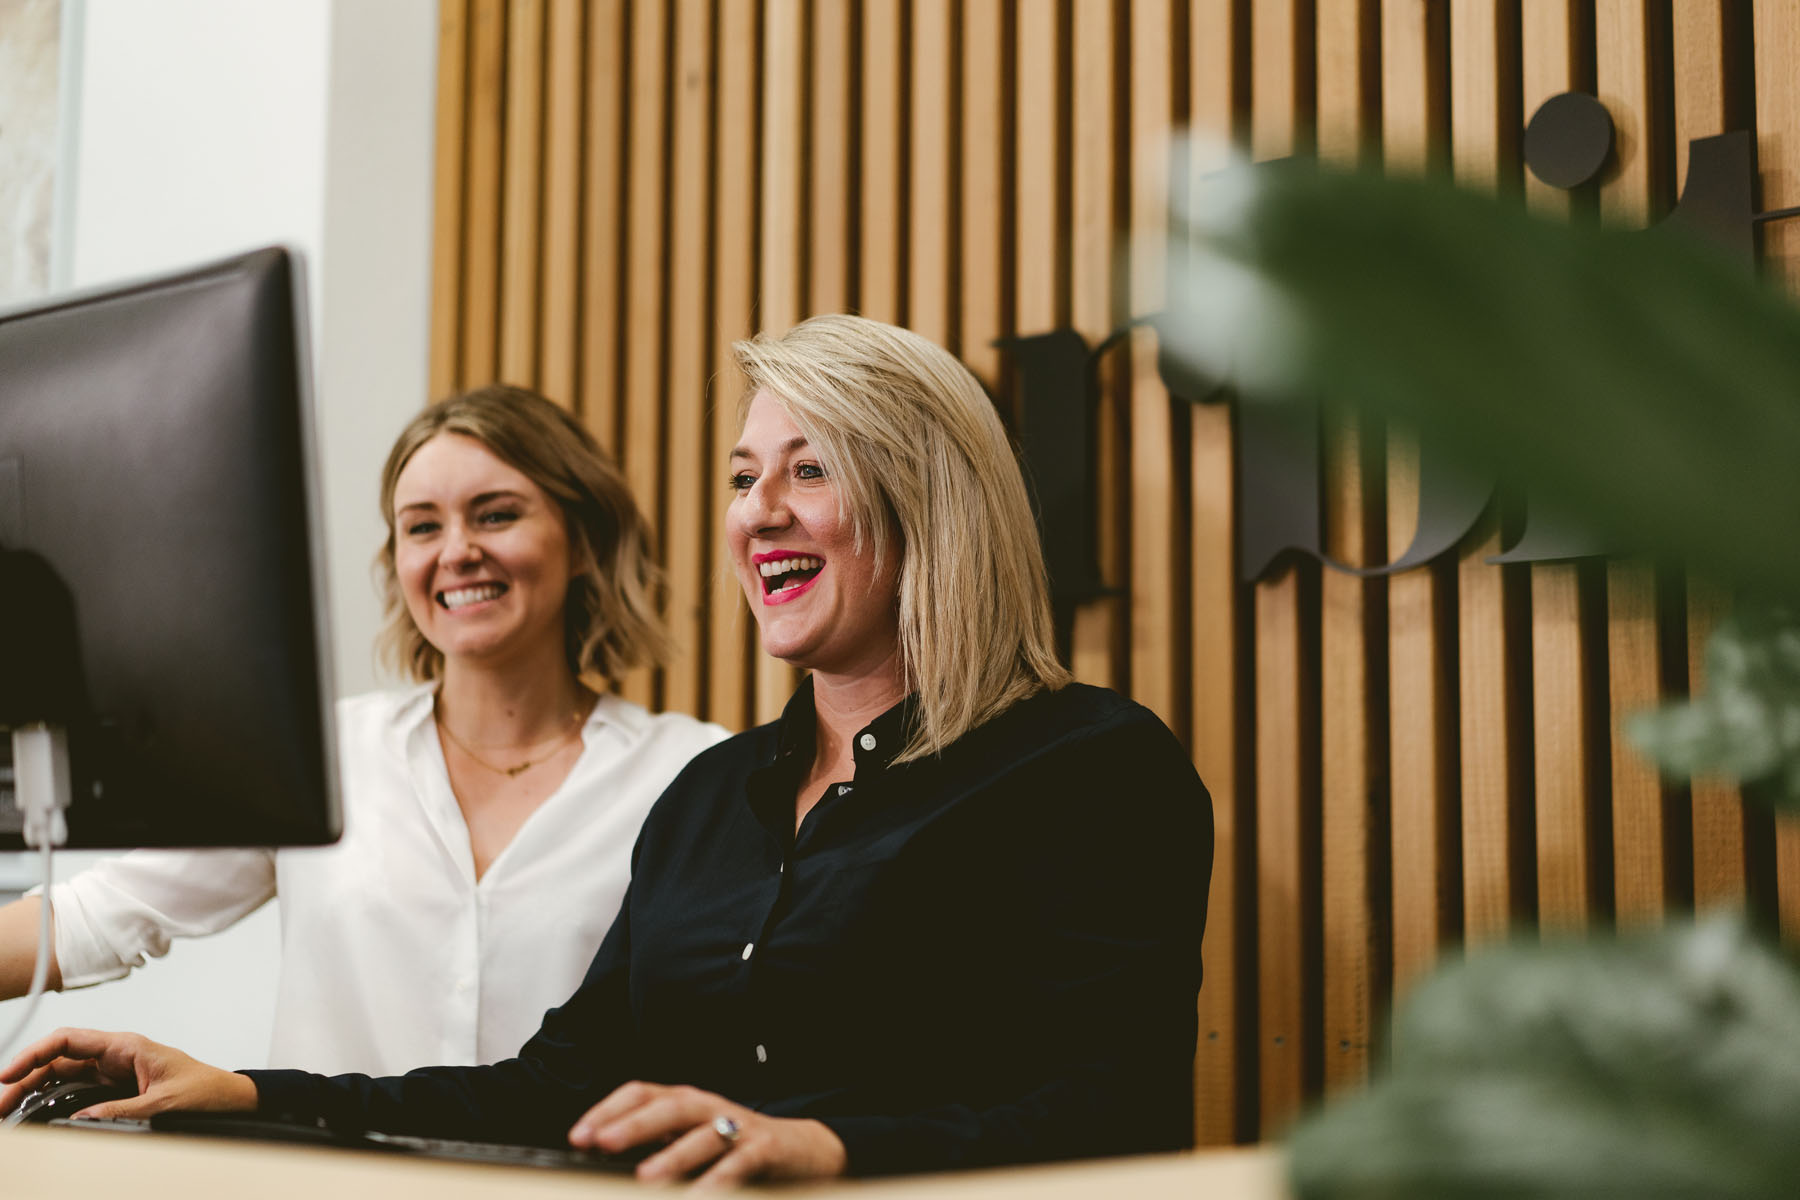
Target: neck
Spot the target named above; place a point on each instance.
(843, 704)
(509, 705)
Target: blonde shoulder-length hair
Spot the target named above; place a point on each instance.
(610, 621)
(920, 457)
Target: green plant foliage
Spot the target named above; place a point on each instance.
(1665, 1064)
(1652, 389)
(1639, 380)
(1747, 722)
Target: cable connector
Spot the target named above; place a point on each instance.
(41, 782)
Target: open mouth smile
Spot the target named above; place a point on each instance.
(455, 598)
(787, 576)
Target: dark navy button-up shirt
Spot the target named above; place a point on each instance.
(985, 956)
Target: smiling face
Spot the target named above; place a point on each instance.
(819, 601)
(481, 554)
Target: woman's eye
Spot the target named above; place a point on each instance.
(500, 516)
(421, 528)
(743, 481)
(809, 471)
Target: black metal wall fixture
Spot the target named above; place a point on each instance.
(1568, 143)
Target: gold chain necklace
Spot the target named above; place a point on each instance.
(513, 772)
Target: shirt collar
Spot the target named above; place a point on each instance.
(874, 746)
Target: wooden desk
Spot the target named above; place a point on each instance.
(56, 1164)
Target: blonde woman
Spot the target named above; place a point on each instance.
(490, 808)
(945, 912)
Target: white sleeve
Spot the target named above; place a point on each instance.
(109, 917)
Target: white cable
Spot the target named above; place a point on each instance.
(40, 975)
(41, 790)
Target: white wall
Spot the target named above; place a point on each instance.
(204, 127)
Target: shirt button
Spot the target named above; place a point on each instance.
(762, 1053)
(749, 948)
(866, 741)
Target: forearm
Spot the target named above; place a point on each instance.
(1106, 1110)
(510, 1101)
(19, 925)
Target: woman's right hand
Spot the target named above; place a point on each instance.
(166, 1079)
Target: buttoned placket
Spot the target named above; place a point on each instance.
(869, 760)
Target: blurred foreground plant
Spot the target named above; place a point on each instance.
(1647, 386)
(1660, 1065)
(1640, 381)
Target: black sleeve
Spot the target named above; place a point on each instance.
(579, 1054)
(1107, 873)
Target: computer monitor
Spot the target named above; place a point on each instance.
(161, 594)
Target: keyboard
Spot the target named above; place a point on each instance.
(294, 1132)
(504, 1155)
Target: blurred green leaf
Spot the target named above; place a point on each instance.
(1659, 1065)
(1747, 723)
(1639, 380)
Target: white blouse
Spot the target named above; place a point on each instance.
(393, 955)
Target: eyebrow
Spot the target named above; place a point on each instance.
(483, 498)
(787, 447)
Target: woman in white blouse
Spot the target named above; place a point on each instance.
(490, 809)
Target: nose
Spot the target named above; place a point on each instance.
(458, 549)
(763, 507)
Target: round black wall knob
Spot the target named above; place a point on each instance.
(1569, 140)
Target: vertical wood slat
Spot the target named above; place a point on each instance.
(1720, 846)
(684, 449)
(1422, 786)
(482, 191)
(1040, 253)
(1152, 526)
(524, 177)
(1098, 163)
(931, 207)
(559, 307)
(1629, 84)
(1286, 704)
(828, 161)
(882, 249)
(783, 238)
(1485, 130)
(1354, 974)
(983, 264)
(444, 373)
(1556, 58)
(646, 276)
(1778, 158)
(1216, 73)
(602, 222)
(1704, 61)
(737, 153)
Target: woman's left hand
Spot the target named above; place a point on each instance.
(744, 1145)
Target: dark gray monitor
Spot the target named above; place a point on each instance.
(160, 580)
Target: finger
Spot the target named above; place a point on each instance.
(622, 1099)
(64, 1043)
(74, 1068)
(748, 1160)
(669, 1115)
(10, 1098)
(133, 1108)
(685, 1155)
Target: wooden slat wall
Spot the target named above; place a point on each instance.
(1398, 767)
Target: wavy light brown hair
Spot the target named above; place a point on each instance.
(610, 621)
(919, 456)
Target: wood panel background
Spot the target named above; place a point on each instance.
(1399, 767)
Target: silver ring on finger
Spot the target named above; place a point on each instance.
(727, 1129)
